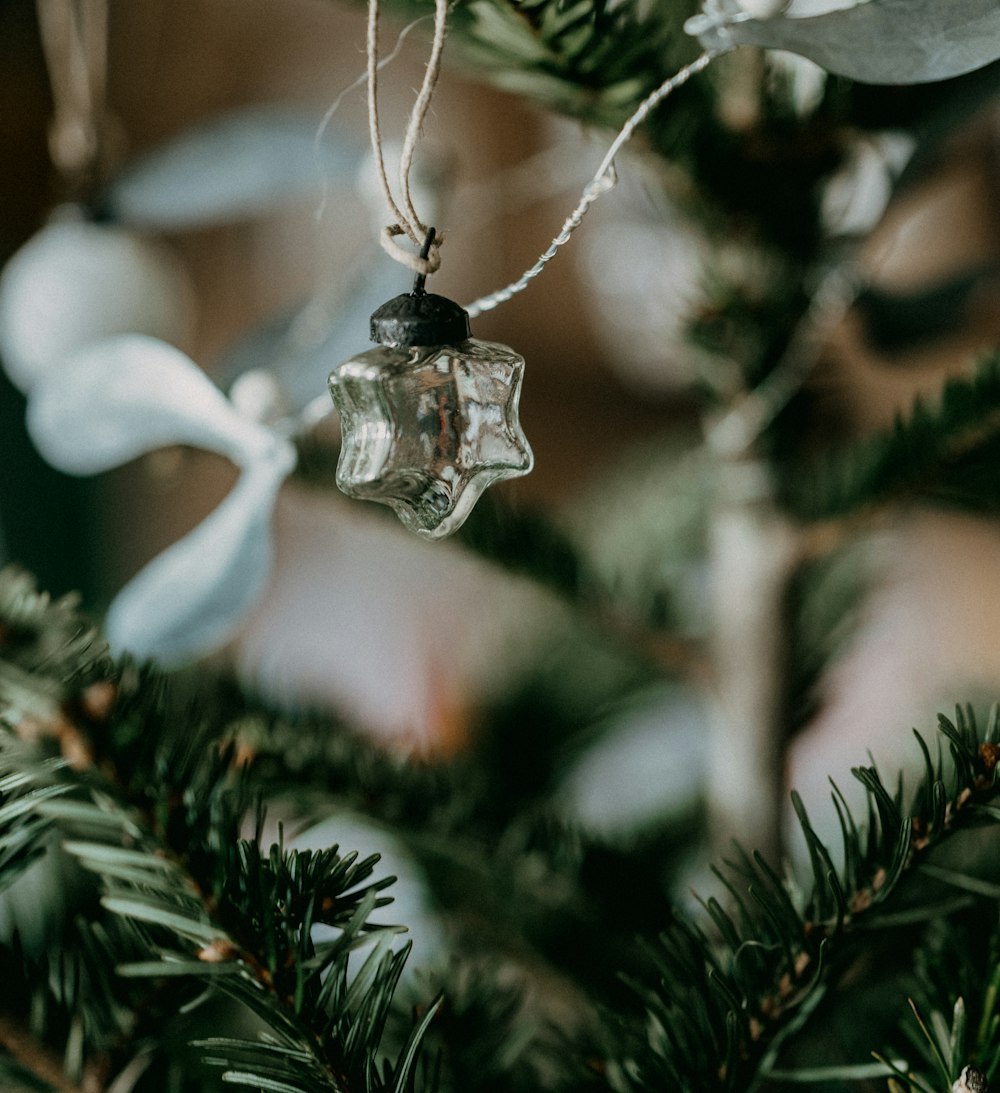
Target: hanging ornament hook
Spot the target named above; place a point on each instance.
(421, 276)
(419, 317)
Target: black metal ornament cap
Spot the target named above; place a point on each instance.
(420, 318)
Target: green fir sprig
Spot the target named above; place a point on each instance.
(723, 998)
(594, 61)
(153, 807)
(186, 912)
(943, 452)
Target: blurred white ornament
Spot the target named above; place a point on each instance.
(240, 164)
(804, 79)
(122, 397)
(857, 195)
(763, 9)
(191, 598)
(645, 283)
(648, 768)
(75, 282)
(125, 396)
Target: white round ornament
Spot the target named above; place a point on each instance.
(75, 282)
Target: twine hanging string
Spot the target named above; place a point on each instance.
(332, 109)
(406, 221)
(604, 179)
(74, 37)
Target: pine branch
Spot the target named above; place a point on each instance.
(156, 818)
(65, 987)
(155, 813)
(252, 940)
(720, 1011)
(168, 744)
(50, 656)
(515, 880)
(592, 60)
(953, 1020)
(47, 649)
(155, 907)
(946, 453)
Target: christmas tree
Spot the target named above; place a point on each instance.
(640, 781)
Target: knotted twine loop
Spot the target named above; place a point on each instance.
(422, 266)
(406, 220)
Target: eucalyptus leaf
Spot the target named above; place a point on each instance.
(880, 42)
(234, 166)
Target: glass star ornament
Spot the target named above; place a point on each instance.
(430, 416)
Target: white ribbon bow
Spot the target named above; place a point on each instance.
(119, 398)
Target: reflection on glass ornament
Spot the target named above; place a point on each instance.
(429, 417)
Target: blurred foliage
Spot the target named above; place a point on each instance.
(173, 912)
(945, 452)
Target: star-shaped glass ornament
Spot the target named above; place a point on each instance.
(430, 416)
